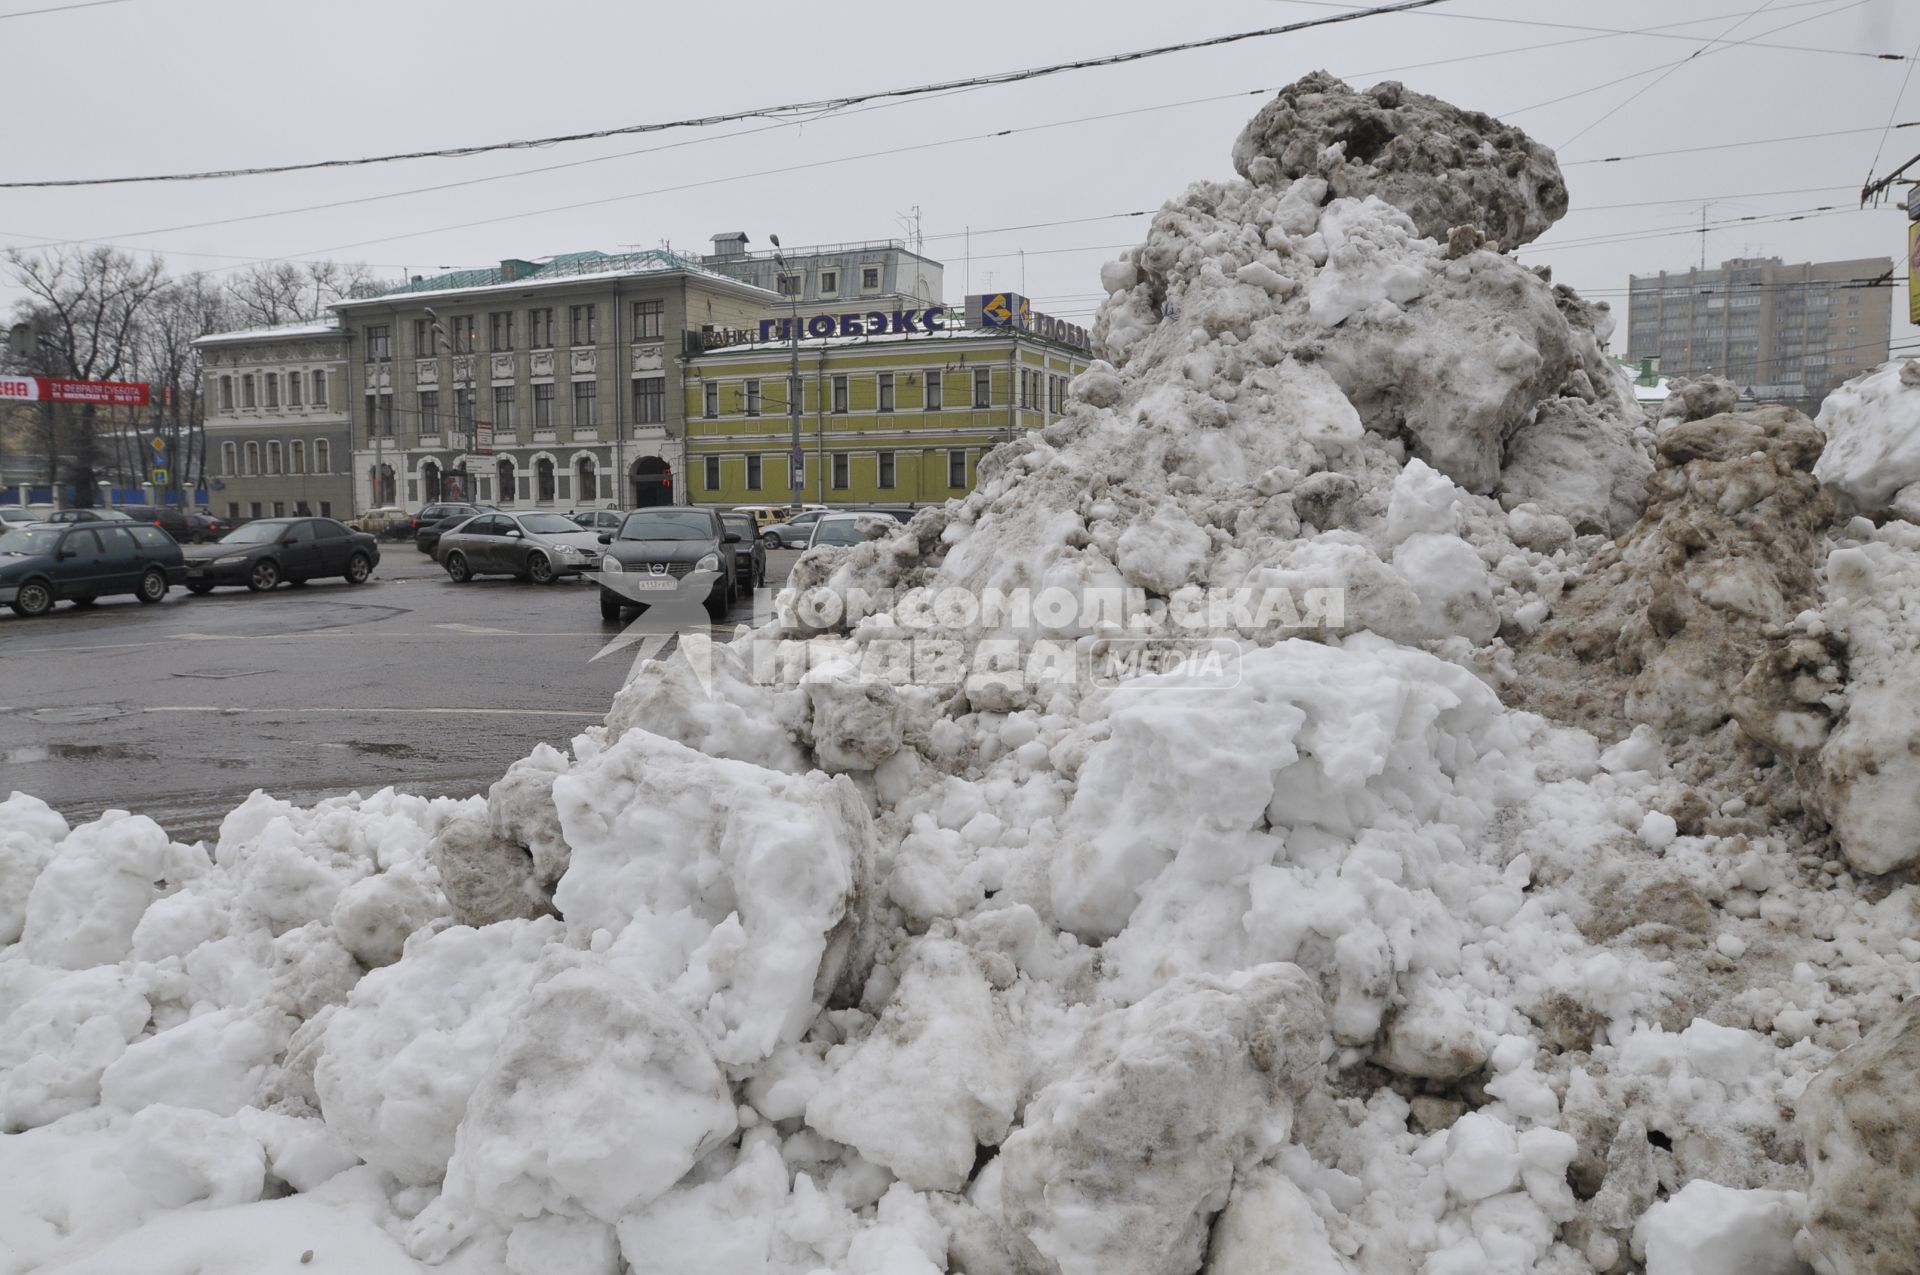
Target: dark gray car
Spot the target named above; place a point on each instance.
(670, 541)
(540, 547)
(750, 555)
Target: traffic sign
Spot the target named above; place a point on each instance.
(159, 477)
(159, 445)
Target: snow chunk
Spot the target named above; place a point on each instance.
(1861, 1122)
(85, 903)
(1708, 1229)
(30, 832)
(1872, 427)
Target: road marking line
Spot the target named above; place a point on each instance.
(381, 711)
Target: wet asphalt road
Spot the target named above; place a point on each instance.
(180, 709)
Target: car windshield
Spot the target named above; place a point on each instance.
(738, 523)
(667, 525)
(838, 531)
(28, 541)
(113, 515)
(254, 533)
(549, 524)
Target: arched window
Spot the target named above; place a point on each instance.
(252, 460)
(322, 454)
(587, 487)
(229, 459)
(543, 477)
(505, 469)
(297, 457)
(273, 456)
(381, 479)
(430, 481)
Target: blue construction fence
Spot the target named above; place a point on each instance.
(43, 495)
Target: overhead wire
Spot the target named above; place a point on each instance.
(821, 104)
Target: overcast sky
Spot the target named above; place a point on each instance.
(170, 85)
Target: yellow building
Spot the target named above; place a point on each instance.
(899, 416)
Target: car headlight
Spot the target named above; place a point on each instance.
(709, 563)
(610, 563)
(568, 551)
(231, 560)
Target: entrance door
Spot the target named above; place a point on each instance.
(652, 482)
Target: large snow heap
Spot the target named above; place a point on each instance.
(1339, 964)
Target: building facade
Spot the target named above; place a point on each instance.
(899, 417)
(821, 276)
(1783, 333)
(548, 384)
(278, 437)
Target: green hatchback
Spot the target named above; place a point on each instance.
(41, 565)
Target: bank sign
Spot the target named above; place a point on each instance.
(868, 323)
(1011, 310)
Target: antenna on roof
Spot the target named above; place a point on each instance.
(910, 222)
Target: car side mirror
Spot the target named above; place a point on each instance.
(733, 537)
(606, 537)
(515, 534)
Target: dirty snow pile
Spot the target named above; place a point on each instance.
(1462, 925)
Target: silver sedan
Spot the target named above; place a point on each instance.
(540, 547)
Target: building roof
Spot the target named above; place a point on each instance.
(777, 349)
(291, 331)
(567, 267)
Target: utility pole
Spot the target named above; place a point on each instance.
(796, 461)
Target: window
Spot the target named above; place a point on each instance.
(753, 398)
(1057, 394)
(956, 469)
(543, 474)
(386, 415)
(788, 285)
(326, 509)
(1026, 384)
(886, 391)
(585, 323)
(829, 283)
(463, 326)
(712, 405)
(753, 472)
(505, 470)
(463, 409)
(840, 393)
(293, 389)
(319, 389)
(713, 473)
(540, 329)
(648, 317)
(650, 400)
(869, 278)
(279, 508)
(934, 390)
(380, 344)
(886, 470)
(543, 406)
(246, 390)
(297, 457)
(586, 404)
(226, 393)
(251, 458)
(982, 391)
(423, 338)
(503, 408)
(500, 330)
(253, 509)
(233, 509)
(322, 460)
(429, 422)
(229, 459)
(840, 471)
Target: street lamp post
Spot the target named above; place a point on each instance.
(796, 466)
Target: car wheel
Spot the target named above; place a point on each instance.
(199, 588)
(358, 569)
(540, 569)
(610, 605)
(153, 585)
(34, 598)
(265, 574)
(457, 569)
(770, 540)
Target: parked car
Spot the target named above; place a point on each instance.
(62, 517)
(598, 519)
(85, 561)
(750, 556)
(848, 527)
(386, 523)
(793, 533)
(436, 519)
(540, 547)
(268, 550)
(12, 516)
(671, 540)
(171, 519)
(763, 515)
(205, 528)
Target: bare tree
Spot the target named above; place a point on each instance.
(86, 308)
(273, 294)
(185, 310)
